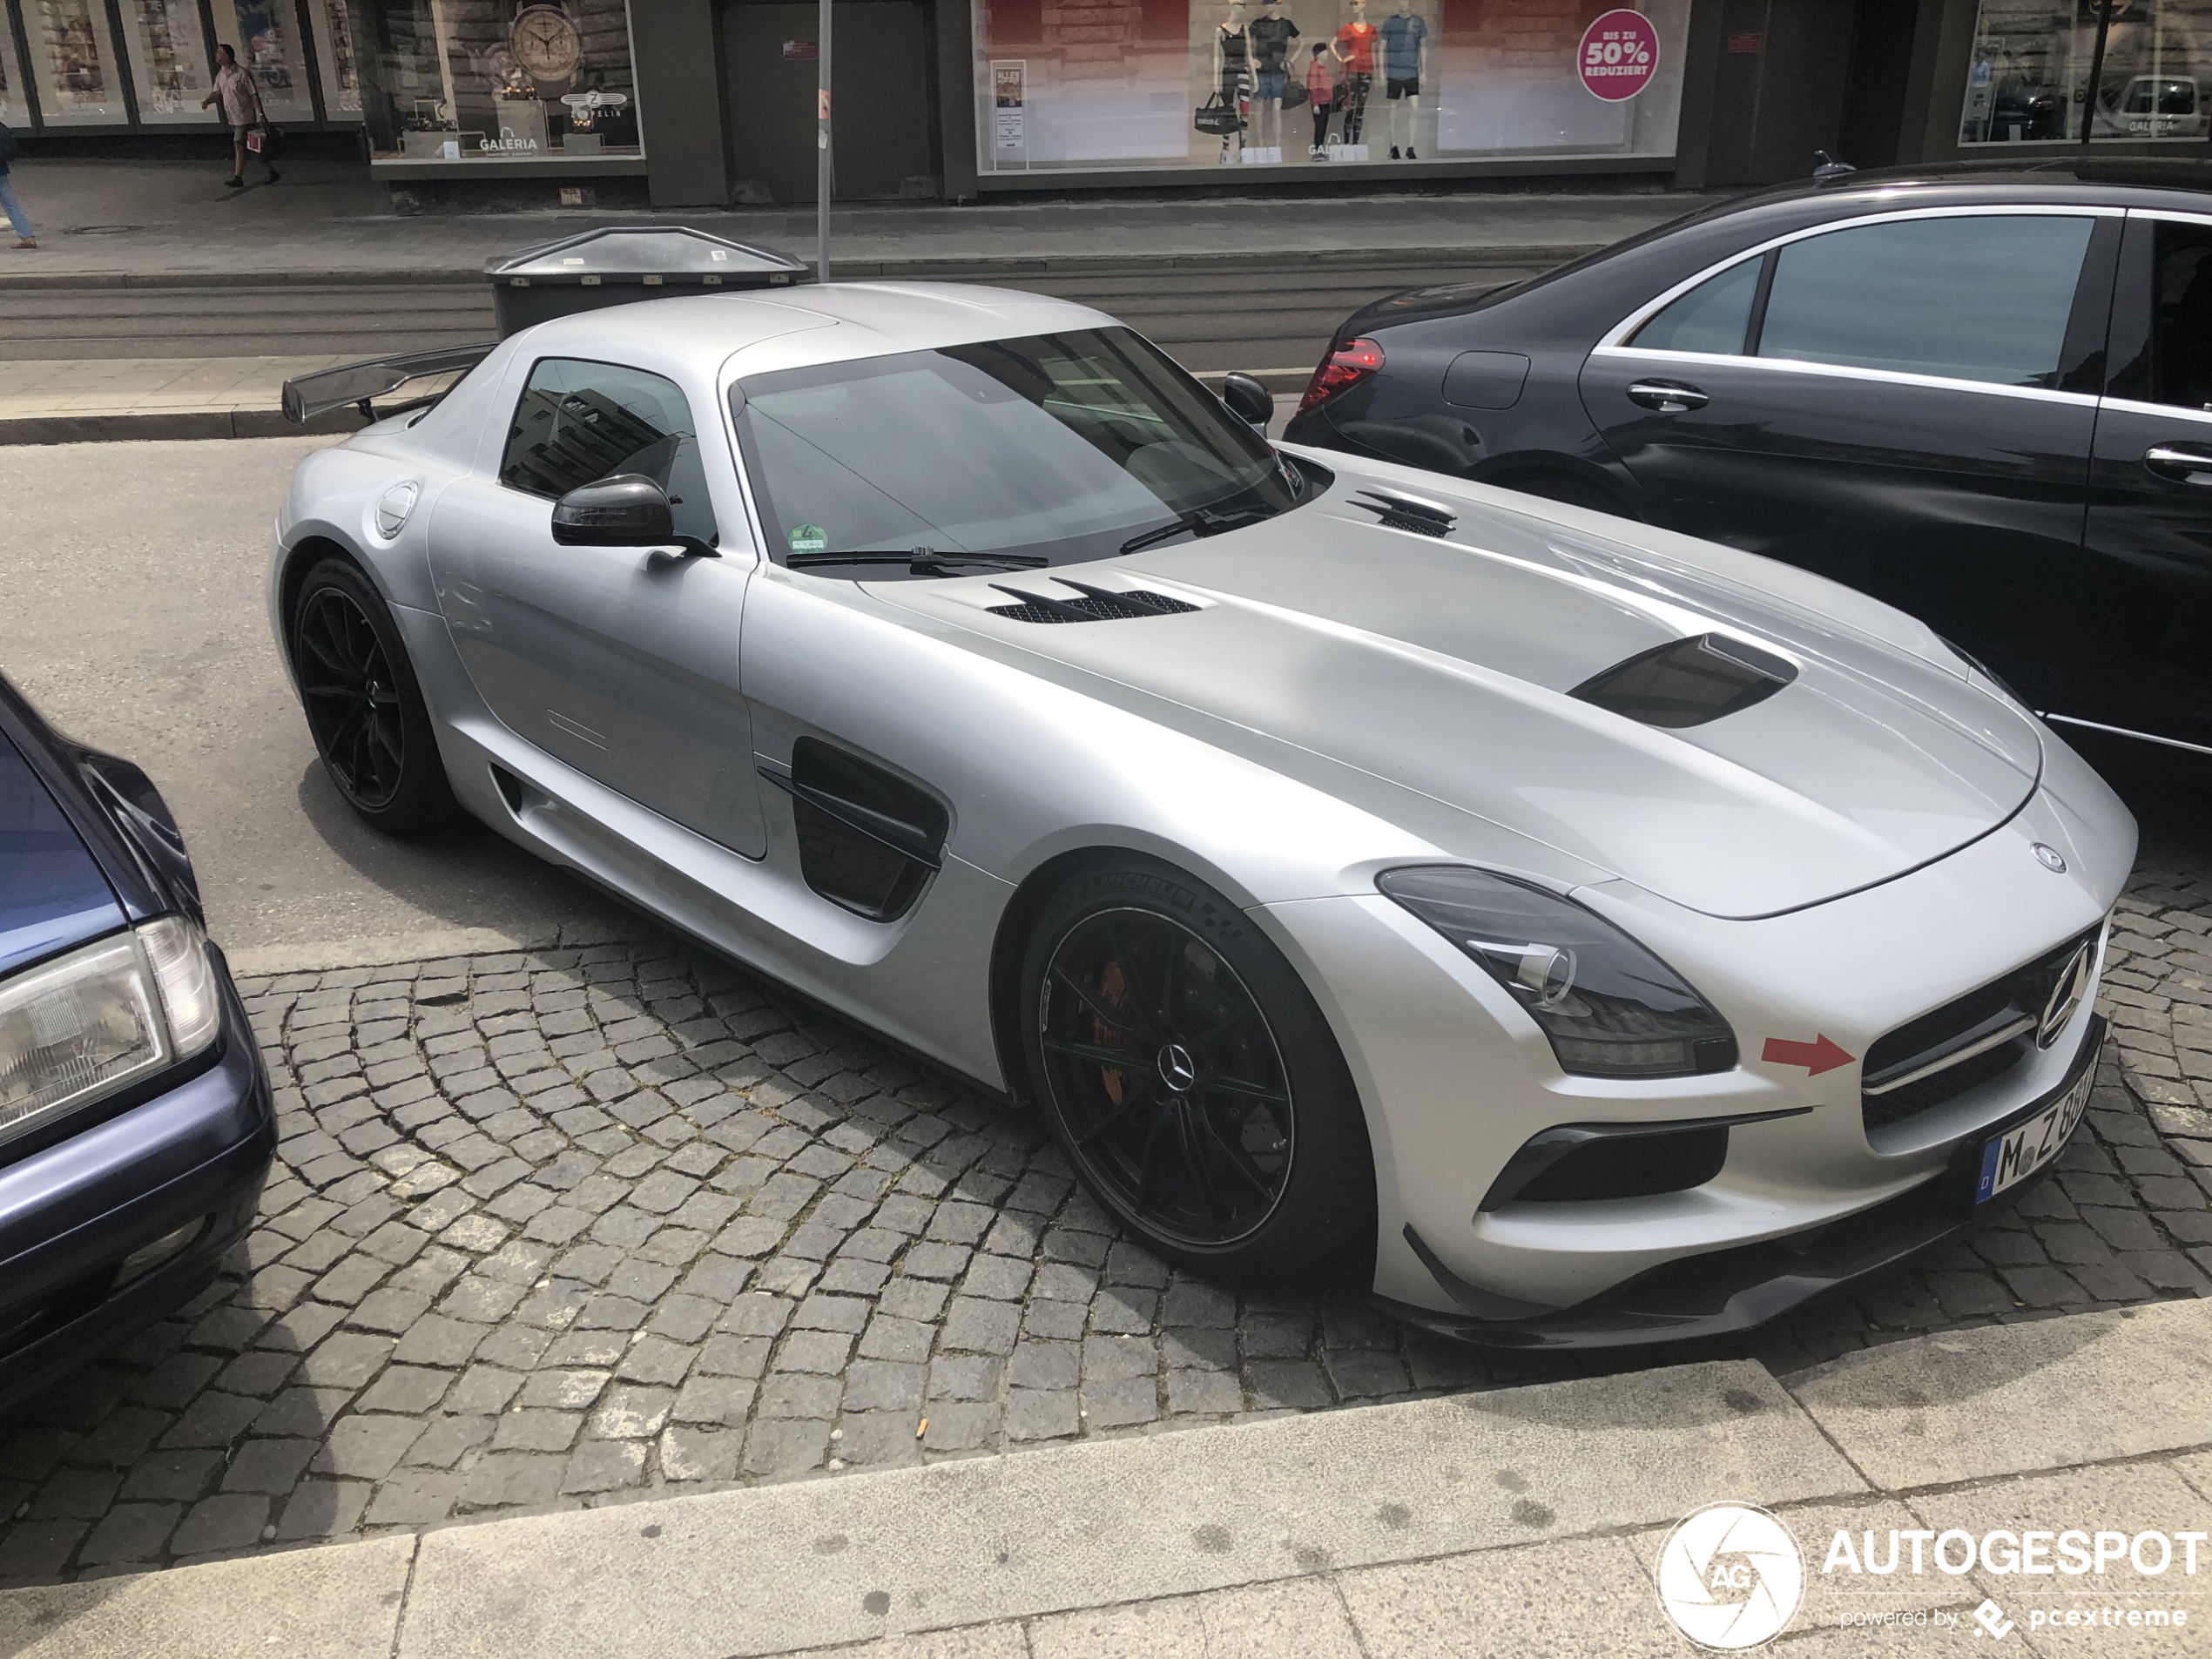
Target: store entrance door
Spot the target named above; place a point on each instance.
(885, 129)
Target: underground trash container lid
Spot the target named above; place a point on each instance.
(676, 254)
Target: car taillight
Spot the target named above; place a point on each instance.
(1346, 366)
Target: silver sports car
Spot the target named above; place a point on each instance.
(1598, 934)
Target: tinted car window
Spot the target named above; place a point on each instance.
(1981, 297)
(578, 422)
(1055, 445)
(1711, 317)
(2180, 354)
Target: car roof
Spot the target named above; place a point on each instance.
(2088, 175)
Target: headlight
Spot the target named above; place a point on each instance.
(98, 1018)
(1610, 1007)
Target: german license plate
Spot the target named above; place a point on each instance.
(2010, 1159)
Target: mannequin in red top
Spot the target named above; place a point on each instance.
(1355, 50)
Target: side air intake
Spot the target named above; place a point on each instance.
(1689, 682)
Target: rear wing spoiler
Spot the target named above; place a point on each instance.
(360, 384)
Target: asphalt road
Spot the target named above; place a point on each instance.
(133, 614)
(1210, 321)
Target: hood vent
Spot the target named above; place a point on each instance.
(1689, 682)
(1097, 604)
(1404, 512)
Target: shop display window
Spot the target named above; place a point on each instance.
(14, 109)
(2053, 71)
(468, 81)
(72, 63)
(267, 38)
(342, 81)
(167, 43)
(1069, 85)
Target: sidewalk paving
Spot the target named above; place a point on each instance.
(1498, 1524)
(570, 1225)
(155, 224)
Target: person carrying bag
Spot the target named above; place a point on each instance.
(251, 128)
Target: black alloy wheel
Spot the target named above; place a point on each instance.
(363, 705)
(1189, 1075)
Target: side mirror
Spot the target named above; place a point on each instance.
(1248, 401)
(626, 510)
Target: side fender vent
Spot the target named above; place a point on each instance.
(1096, 604)
(1404, 512)
(867, 838)
(1687, 682)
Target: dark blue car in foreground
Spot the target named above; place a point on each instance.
(136, 1125)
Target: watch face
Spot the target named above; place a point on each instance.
(546, 42)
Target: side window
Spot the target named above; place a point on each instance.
(1712, 317)
(1981, 297)
(2181, 350)
(578, 422)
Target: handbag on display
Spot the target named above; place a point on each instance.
(1217, 116)
(1293, 94)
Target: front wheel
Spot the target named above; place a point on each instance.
(1190, 1077)
(364, 707)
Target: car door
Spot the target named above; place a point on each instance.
(2149, 532)
(622, 662)
(1899, 403)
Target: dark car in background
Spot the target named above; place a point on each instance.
(136, 1123)
(1983, 393)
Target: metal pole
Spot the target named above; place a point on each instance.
(822, 150)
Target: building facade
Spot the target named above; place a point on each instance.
(711, 102)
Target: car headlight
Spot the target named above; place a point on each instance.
(1610, 1007)
(89, 1022)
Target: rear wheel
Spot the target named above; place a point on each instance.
(1189, 1075)
(364, 707)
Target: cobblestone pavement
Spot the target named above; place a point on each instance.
(554, 1229)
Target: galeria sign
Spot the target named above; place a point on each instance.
(1618, 57)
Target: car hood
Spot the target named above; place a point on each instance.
(52, 894)
(1443, 665)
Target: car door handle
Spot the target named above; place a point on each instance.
(2184, 463)
(1669, 397)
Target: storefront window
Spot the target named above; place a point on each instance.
(268, 45)
(493, 80)
(341, 82)
(168, 48)
(72, 61)
(13, 110)
(1070, 85)
(2029, 79)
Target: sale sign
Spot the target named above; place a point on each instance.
(1619, 54)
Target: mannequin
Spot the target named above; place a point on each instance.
(1232, 56)
(1355, 50)
(1403, 34)
(1271, 34)
(1320, 89)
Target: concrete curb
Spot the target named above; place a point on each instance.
(1588, 1467)
(434, 944)
(1469, 258)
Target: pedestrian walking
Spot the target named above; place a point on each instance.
(25, 236)
(241, 108)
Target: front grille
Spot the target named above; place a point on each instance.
(1970, 1041)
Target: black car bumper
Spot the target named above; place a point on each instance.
(190, 1161)
(1725, 1291)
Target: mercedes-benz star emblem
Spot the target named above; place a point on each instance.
(2066, 996)
(2050, 858)
(1177, 1070)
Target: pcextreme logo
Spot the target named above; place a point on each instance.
(1730, 1577)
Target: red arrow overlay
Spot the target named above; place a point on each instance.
(1816, 1056)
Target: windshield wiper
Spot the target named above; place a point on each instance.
(921, 561)
(1201, 521)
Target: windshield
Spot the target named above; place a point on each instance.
(1052, 447)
